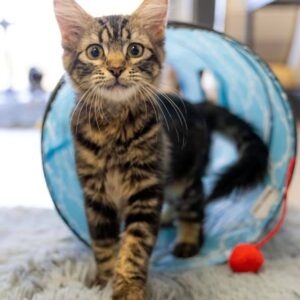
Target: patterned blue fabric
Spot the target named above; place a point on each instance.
(246, 87)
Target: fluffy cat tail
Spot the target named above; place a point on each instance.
(252, 165)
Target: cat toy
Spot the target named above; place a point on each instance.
(248, 257)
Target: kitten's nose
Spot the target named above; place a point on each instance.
(116, 71)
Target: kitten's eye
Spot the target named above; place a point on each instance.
(94, 52)
(135, 50)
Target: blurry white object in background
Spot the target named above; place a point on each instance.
(210, 86)
(220, 15)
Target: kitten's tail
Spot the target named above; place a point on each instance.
(252, 165)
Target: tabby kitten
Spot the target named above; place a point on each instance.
(135, 146)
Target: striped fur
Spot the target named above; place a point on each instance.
(133, 145)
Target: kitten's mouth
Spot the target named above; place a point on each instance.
(117, 85)
(119, 90)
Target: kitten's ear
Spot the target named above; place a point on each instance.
(153, 14)
(72, 21)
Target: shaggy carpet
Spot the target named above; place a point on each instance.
(41, 260)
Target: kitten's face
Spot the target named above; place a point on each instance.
(113, 57)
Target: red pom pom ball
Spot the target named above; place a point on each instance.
(246, 258)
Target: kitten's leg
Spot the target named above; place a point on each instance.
(102, 215)
(141, 227)
(190, 226)
(104, 230)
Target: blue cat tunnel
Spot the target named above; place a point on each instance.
(248, 88)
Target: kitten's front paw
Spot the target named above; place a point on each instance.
(130, 292)
(185, 250)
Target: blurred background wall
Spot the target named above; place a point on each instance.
(275, 33)
(270, 28)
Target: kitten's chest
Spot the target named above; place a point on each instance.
(120, 155)
(116, 188)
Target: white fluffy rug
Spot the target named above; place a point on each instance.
(41, 260)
